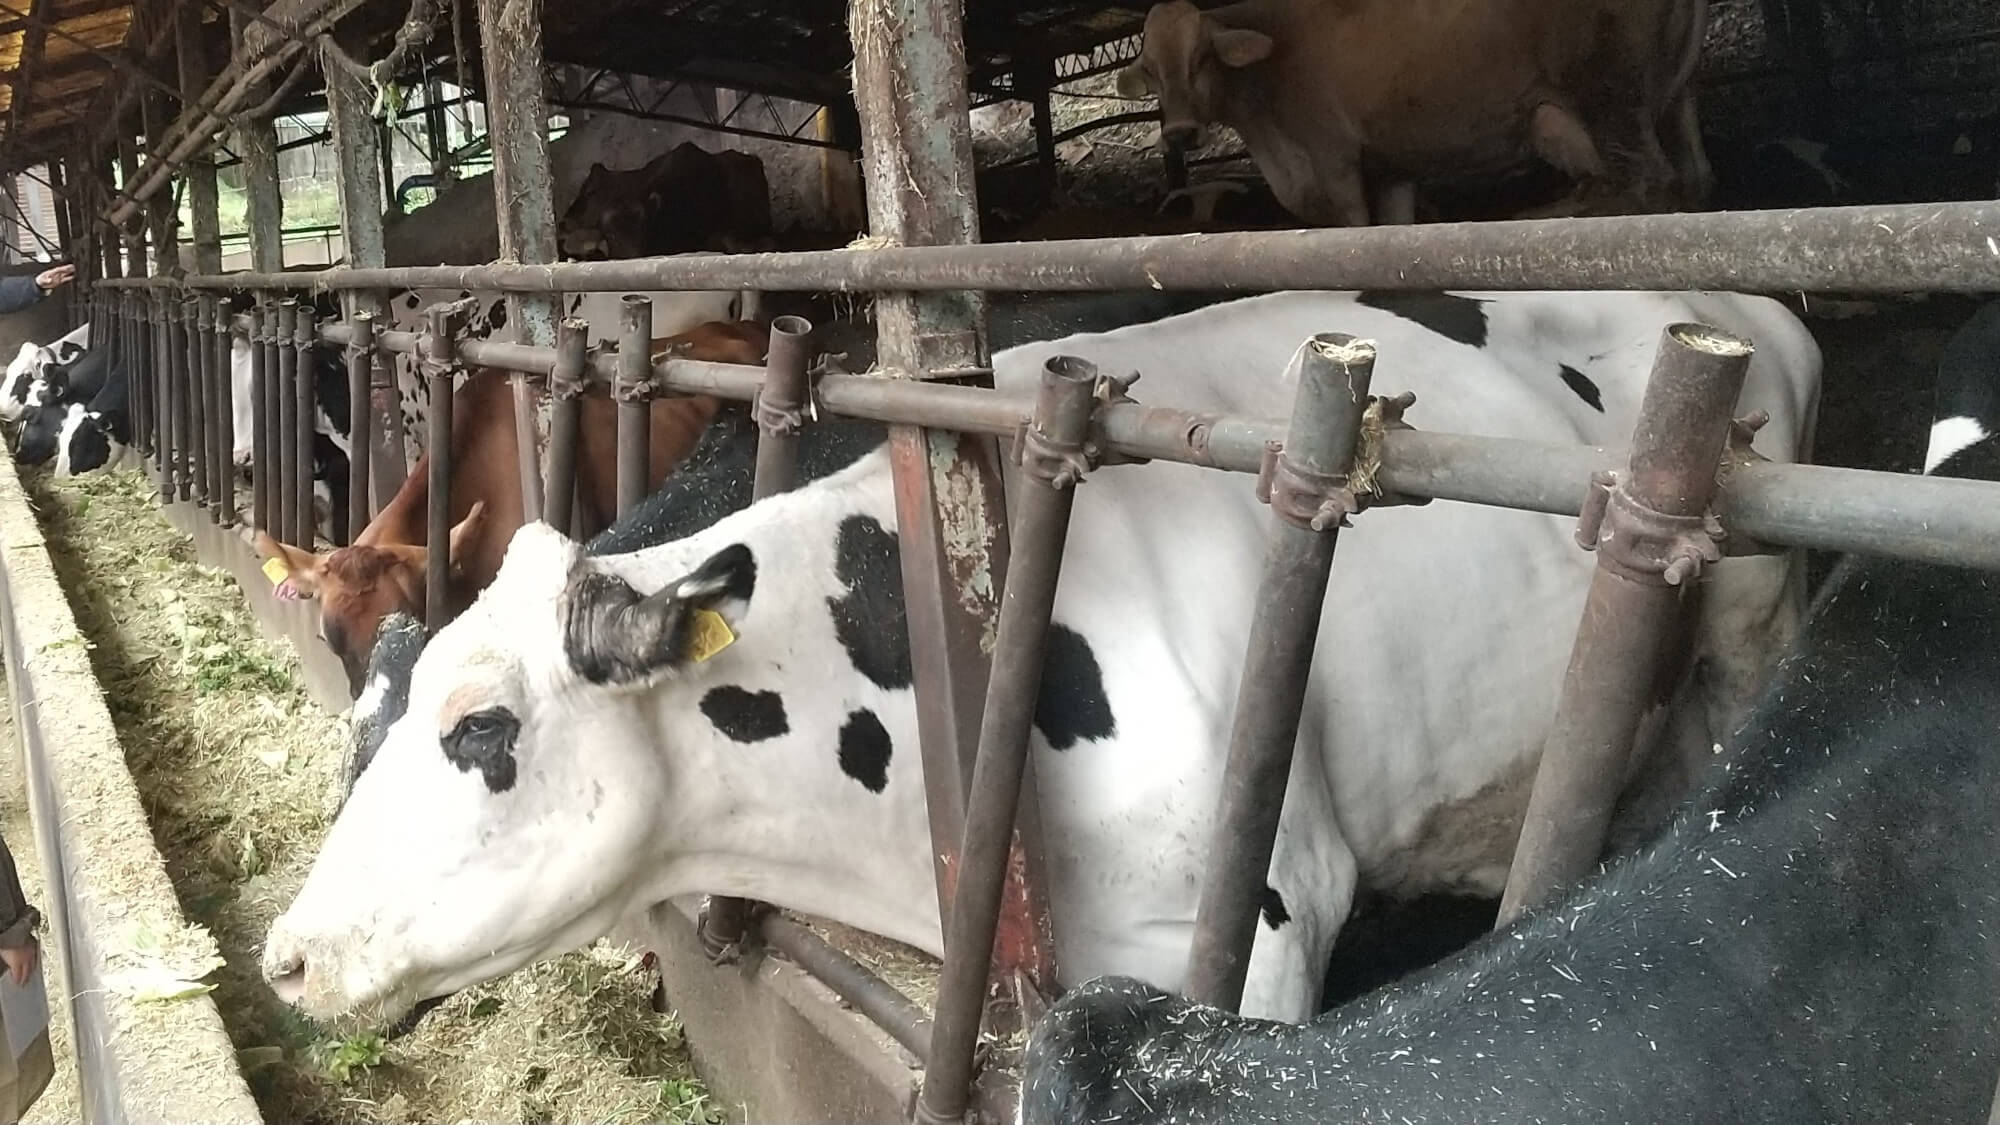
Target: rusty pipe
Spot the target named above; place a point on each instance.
(1653, 538)
(1308, 491)
(1053, 462)
(260, 422)
(286, 500)
(222, 404)
(634, 391)
(304, 340)
(194, 406)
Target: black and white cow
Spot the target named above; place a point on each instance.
(32, 363)
(1813, 938)
(97, 434)
(54, 395)
(558, 728)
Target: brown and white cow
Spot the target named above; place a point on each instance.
(1330, 95)
(686, 199)
(384, 570)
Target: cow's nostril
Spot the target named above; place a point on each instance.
(1179, 135)
(287, 977)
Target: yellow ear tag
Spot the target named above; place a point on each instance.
(708, 634)
(276, 570)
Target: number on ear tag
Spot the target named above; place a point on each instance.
(708, 634)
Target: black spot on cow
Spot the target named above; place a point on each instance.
(746, 716)
(1447, 314)
(410, 302)
(869, 619)
(1072, 706)
(484, 741)
(1585, 389)
(496, 317)
(1273, 907)
(865, 750)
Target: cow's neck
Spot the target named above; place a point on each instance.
(782, 818)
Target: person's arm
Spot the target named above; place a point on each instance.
(17, 293)
(18, 921)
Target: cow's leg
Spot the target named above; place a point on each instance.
(1396, 203)
(1690, 156)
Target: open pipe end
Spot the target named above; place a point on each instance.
(1343, 349)
(1069, 369)
(789, 325)
(1712, 341)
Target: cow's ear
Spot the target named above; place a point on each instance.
(302, 581)
(614, 636)
(1133, 82)
(462, 534)
(1240, 46)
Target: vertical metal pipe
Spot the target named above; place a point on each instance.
(158, 348)
(174, 481)
(388, 452)
(261, 433)
(634, 392)
(441, 361)
(566, 401)
(360, 419)
(1334, 376)
(1052, 464)
(1652, 538)
(780, 412)
(284, 500)
(305, 527)
(194, 404)
(222, 417)
(275, 395)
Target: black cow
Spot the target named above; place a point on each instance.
(1815, 938)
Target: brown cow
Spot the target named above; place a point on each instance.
(383, 572)
(1408, 91)
(687, 199)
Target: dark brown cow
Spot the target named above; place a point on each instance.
(383, 572)
(1408, 91)
(687, 199)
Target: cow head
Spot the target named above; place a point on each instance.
(1186, 60)
(89, 440)
(514, 807)
(358, 587)
(42, 424)
(611, 216)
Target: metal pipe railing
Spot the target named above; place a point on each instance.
(179, 388)
(1930, 246)
(440, 364)
(261, 434)
(306, 386)
(633, 392)
(1308, 491)
(194, 404)
(565, 406)
(360, 416)
(779, 410)
(1652, 532)
(872, 996)
(1051, 454)
(284, 501)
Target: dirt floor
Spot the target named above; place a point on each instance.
(237, 769)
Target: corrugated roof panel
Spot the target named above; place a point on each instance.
(102, 31)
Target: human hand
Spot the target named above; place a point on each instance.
(20, 962)
(57, 277)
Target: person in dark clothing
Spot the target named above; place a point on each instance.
(17, 293)
(18, 921)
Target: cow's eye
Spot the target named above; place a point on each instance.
(484, 741)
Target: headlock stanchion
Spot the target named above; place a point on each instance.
(194, 404)
(360, 416)
(779, 410)
(306, 371)
(440, 365)
(1653, 533)
(387, 455)
(1312, 485)
(163, 367)
(565, 402)
(260, 419)
(180, 383)
(634, 392)
(222, 414)
(1054, 455)
(286, 500)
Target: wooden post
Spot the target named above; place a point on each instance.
(264, 210)
(202, 200)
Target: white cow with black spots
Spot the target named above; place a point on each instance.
(31, 364)
(562, 762)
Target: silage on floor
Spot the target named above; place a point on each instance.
(238, 771)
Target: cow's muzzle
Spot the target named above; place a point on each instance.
(1179, 136)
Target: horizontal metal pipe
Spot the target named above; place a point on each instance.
(1924, 519)
(872, 996)
(1941, 246)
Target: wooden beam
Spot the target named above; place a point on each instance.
(203, 201)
